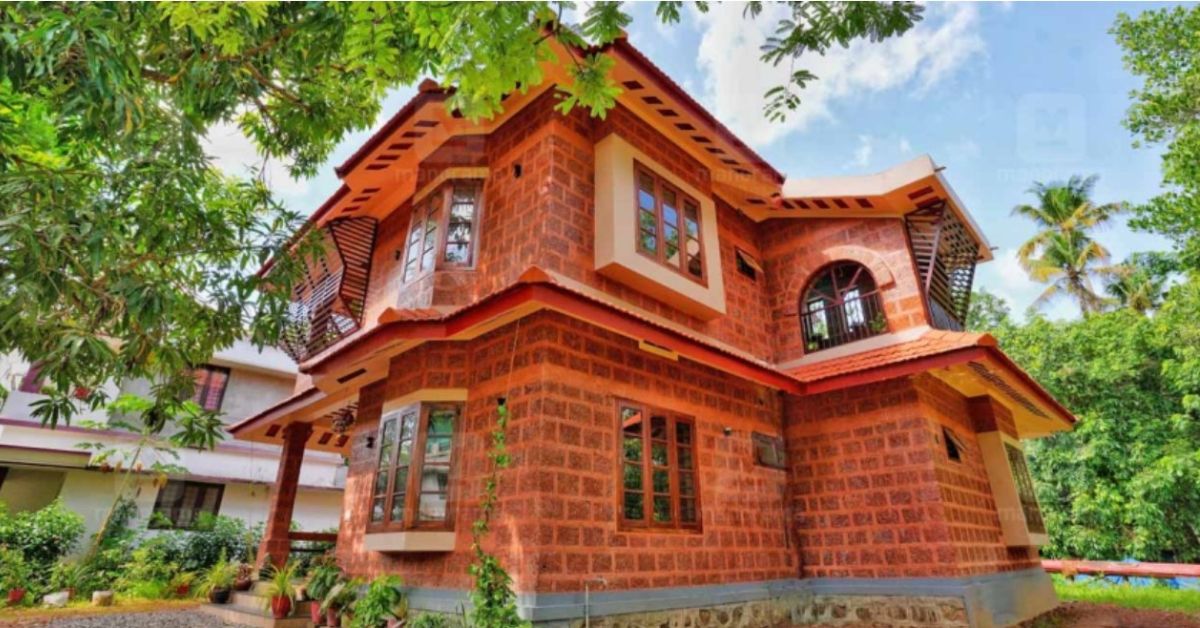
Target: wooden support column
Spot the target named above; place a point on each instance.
(275, 542)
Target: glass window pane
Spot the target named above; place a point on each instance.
(435, 479)
(671, 241)
(441, 420)
(683, 433)
(397, 513)
(687, 484)
(437, 450)
(685, 458)
(658, 454)
(648, 222)
(432, 507)
(634, 506)
(631, 429)
(662, 509)
(658, 427)
(400, 484)
(670, 216)
(662, 481)
(691, 220)
(645, 200)
(687, 510)
(457, 252)
(633, 477)
(668, 199)
(381, 479)
(377, 510)
(404, 452)
(649, 243)
(694, 267)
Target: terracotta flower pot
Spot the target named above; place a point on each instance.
(219, 596)
(332, 619)
(242, 584)
(183, 590)
(15, 595)
(314, 611)
(281, 606)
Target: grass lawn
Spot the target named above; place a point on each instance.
(84, 607)
(1152, 597)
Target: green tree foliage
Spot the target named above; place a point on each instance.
(1139, 283)
(123, 252)
(1125, 482)
(1062, 253)
(1163, 49)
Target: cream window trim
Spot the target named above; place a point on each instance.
(426, 395)
(409, 541)
(457, 172)
(1013, 525)
(617, 255)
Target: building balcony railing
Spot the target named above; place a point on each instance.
(836, 324)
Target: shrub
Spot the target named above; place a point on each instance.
(42, 536)
(14, 570)
(69, 576)
(149, 571)
(382, 601)
(202, 547)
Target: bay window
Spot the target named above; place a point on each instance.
(658, 468)
(443, 229)
(668, 225)
(412, 479)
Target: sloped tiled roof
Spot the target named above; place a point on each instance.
(931, 343)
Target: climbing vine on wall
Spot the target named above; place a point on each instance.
(494, 604)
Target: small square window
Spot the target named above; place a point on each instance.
(954, 446)
(747, 265)
(769, 451)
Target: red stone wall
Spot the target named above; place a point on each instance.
(556, 525)
(794, 250)
(875, 493)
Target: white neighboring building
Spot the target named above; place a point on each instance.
(39, 464)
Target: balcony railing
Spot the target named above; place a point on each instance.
(853, 319)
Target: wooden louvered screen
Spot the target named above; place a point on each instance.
(327, 305)
(945, 255)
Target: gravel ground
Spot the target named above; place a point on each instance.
(172, 619)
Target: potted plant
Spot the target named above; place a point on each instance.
(218, 580)
(338, 601)
(378, 605)
(280, 590)
(181, 583)
(324, 575)
(14, 574)
(244, 578)
(69, 577)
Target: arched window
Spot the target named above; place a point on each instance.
(840, 305)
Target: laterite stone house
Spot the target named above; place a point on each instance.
(738, 398)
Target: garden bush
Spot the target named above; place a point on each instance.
(42, 536)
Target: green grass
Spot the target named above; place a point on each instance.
(1152, 597)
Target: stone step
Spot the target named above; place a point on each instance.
(248, 602)
(231, 614)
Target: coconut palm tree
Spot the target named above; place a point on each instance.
(1140, 282)
(1062, 253)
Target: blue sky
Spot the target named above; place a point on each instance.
(1002, 95)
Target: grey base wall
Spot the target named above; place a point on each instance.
(985, 601)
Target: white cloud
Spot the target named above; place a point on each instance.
(862, 154)
(1005, 278)
(735, 79)
(237, 155)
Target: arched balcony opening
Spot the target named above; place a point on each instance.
(841, 304)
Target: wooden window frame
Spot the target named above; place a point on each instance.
(776, 443)
(660, 253)
(746, 264)
(1031, 510)
(32, 382)
(647, 522)
(416, 466)
(159, 507)
(443, 196)
(203, 393)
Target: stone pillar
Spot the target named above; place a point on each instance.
(275, 541)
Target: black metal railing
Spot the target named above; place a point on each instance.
(828, 325)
